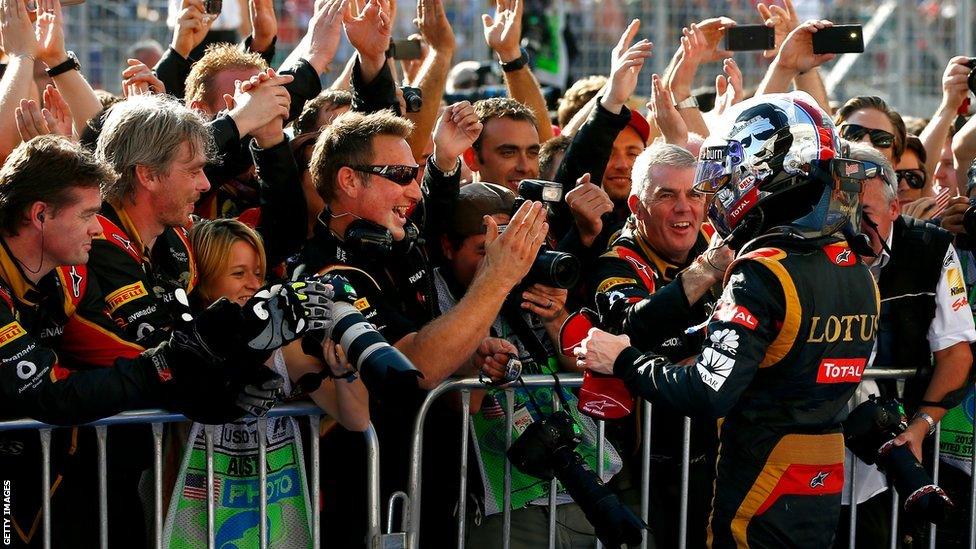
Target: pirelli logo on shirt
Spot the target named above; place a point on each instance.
(10, 332)
(614, 281)
(124, 295)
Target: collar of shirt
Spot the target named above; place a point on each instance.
(883, 259)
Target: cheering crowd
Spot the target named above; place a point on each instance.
(227, 235)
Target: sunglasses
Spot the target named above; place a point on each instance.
(914, 178)
(879, 138)
(397, 173)
(872, 170)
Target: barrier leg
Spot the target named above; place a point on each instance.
(263, 480)
(935, 479)
(893, 539)
(463, 495)
(552, 492)
(373, 486)
(101, 436)
(646, 473)
(157, 431)
(208, 434)
(46, 485)
(313, 424)
(601, 444)
(852, 527)
(507, 516)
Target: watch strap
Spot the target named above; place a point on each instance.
(69, 64)
(927, 419)
(516, 64)
(690, 102)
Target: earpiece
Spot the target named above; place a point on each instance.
(40, 217)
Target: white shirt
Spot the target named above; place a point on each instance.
(953, 323)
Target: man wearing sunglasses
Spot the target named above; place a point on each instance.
(364, 170)
(924, 313)
(869, 119)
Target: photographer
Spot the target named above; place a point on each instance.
(363, 168)
(652, 284)
(925, 320)
(763, 365)
(530, 320)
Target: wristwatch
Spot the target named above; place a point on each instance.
(516, 64)
(71, 64)
(927, 419)
(690, 102)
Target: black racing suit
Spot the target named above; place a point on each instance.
(639, 293)
(138, 283)
(786, 349)
(62, 361)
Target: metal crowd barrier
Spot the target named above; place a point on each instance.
(409, 536)
(157, 418)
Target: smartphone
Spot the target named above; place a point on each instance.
(213, 7)
(749, 38)
(406, 49)
(839, 39)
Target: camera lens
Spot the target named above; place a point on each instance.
(556, 269)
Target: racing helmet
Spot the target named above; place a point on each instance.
(775, 161)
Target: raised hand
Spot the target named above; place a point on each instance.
(259, 101)
(588, 203)
(782, 19)
(264, 24)
(16, 30)
(369, 30)
(796, 52)
(192, 27)
(324, 32)
(434, 26)
(503, 33)
(457, 129)
(60, 111)
(625, 66)
(50, 33)
(33, 121)
(955, 87)
(728, 87)
(672, 126)
(509, 255)
(139, 79)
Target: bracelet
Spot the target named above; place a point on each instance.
(927, 419)
(689, 103)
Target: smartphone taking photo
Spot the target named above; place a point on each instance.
(839, 39)
(749, 38)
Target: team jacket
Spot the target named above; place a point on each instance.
(138, 284)
(636, 297)
(785, 348)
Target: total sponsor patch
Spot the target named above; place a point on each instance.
(614, 281)
(841, 370)
(738, 314)
(124, 295)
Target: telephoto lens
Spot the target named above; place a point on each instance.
(554, 269)
(869, 432)
(546, 449)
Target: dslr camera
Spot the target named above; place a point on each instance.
(550, 268)
(547, 449)
(869, 432)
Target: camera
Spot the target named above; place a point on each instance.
(384, 369)
(413, 98)
(971, 81)
(546, 449)
(869, 432)
(550, 268)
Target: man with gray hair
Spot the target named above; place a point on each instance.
(653, 284)
(143, 260)
(924, 314)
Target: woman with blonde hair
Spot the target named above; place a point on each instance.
(231, 262)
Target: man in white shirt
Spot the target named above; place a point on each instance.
(925, 315)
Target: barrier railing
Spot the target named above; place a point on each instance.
(159, 417)
(411, 533)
